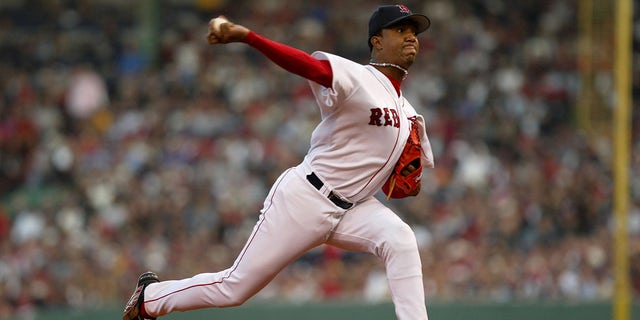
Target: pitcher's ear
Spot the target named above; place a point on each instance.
(375, 42)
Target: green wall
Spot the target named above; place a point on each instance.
(353, 311)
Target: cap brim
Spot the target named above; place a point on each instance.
(421, 21)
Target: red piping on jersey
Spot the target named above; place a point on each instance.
(235, 266)
(293, 60)
(384, 165)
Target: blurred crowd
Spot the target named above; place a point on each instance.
(127, 144)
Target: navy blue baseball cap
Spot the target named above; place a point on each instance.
(387, 16)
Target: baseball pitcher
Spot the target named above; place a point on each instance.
(369, 138)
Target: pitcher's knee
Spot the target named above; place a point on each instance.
(239, 297)
(399, 237)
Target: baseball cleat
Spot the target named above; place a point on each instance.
(132, 310)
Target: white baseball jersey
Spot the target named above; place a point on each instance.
(354, 159)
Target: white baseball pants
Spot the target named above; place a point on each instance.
(296, 218)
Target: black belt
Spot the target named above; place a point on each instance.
(317, 183)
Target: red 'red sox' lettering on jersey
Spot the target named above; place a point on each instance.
(390, 117)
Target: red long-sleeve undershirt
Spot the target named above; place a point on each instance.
(293, 60)
(297, 61)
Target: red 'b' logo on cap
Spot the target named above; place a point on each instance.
(403, 8)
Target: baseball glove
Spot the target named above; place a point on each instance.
(407, 173)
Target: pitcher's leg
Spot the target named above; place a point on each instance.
(283, 232)
(374, 228)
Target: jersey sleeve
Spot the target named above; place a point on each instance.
(291, 59)
(345, 80)
(427, 153)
